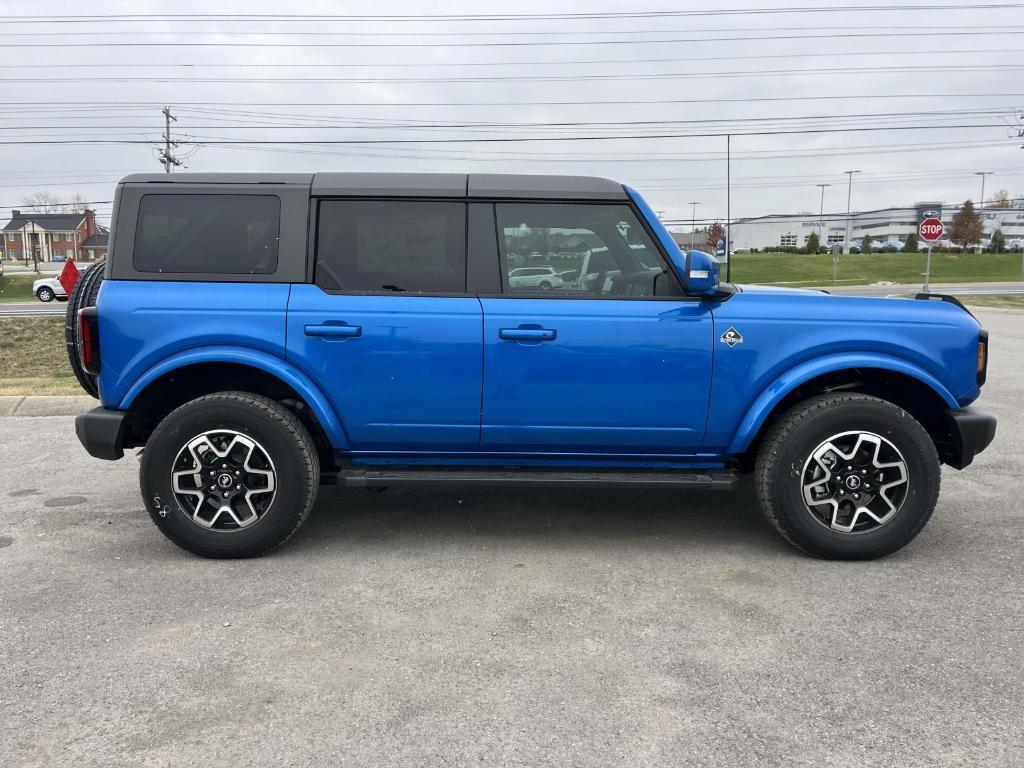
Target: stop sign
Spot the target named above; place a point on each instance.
(931, 230)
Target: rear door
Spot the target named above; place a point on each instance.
(387, 328)
(614, 361)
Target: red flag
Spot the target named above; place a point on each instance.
(68, 276)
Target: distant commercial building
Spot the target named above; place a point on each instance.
(54, 236)
(768, 232)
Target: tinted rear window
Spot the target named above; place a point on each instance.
(391, 245)
(208, 234)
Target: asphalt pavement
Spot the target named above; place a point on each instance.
(433, 627)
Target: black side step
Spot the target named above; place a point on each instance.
(718, 480)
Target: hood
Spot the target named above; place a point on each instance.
(754, 288)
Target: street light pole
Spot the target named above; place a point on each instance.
(849, 192)
(821, 211)
(693, 222)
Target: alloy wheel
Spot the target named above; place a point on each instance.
(855, 482)
(224, 480)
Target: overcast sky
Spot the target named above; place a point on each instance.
(433, 81)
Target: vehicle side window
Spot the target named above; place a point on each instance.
(391, 245)
(580, 249)
(208, 234)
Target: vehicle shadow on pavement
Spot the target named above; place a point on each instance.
(518, 516)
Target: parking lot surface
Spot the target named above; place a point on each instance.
(564, 628)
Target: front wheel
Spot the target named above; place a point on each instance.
(45, 294)
(229, 475)
(848, 476)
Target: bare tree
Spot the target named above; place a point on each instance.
(42, 202)
(1000, 199)
(50, 202)
(76, 204)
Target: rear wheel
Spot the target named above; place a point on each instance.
(848, 476)
(230, 475)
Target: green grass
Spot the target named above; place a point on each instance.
(864, 269)
(995, 300)
(17, 287)
(32, 357)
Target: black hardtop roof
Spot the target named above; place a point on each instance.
(473, 185)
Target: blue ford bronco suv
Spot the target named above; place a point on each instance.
(261, 334)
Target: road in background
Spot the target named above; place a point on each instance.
(530, 627)
(37, 309)
(33, 309)
(956, 289)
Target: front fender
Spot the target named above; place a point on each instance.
(275, 366)
(773, 394)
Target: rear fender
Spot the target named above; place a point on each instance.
(275, 366)
(774, 393)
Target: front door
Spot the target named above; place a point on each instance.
(609, 360)
(387, 327)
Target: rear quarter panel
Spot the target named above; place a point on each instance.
(783, 330)
(145, 322)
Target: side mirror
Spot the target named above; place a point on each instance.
(699, 270)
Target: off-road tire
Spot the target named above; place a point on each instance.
(790, 441)
(276, 429)
(82, 295)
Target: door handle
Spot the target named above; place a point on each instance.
(334, 330)
(527, 334)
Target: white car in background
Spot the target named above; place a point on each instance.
(48, 289)
(544, 278)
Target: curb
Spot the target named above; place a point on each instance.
(55, 405)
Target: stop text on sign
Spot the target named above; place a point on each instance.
(931, 230)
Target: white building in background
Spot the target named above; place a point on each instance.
(768, 232)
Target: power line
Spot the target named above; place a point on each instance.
(492, 44)
(502, 33)
(550, 62)
(278, 17)
(16, 180)
(564, 158)
(689, 75)
(514, 139)
(589, 102)
(545, 124)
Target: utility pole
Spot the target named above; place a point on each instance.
(693, 222)
(168, 160)
(849, 192)
(981, 203)
(35, 255)
(821, 213)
